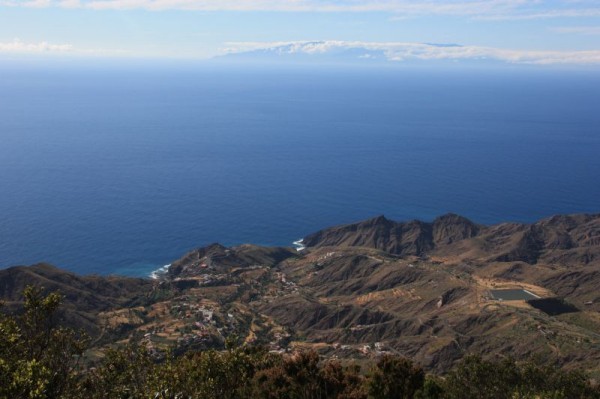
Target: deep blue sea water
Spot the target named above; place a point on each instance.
(108, 170)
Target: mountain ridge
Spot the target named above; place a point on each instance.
(569, 234)
(424, 290)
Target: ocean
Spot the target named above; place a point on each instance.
(114, 170)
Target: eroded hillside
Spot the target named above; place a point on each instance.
(430, 291)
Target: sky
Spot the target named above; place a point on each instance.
(514, 31)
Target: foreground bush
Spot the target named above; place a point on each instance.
(37, 358)
(476, 378)
(40, 360)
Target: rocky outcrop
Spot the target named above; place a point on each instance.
(450, 228)
(562, 239)
(217, 258)
(398, 238)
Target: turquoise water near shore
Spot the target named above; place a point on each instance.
(107, 170)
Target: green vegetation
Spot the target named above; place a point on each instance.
(39, 359)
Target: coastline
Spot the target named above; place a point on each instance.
(158, 273)
(161, 271)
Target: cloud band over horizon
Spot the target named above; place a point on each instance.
(18, 46)
(512, 31)
(395, 52)
(398, 52)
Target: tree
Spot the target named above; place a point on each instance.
(37, 358)
(304, 376)
(432, 389)
(474, 378)
(395, 378)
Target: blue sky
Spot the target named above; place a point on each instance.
(530, 31)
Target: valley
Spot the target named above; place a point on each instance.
(433, 292)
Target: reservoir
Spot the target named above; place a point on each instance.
(513, 295)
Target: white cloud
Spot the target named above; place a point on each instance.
(395, 51)
(17, 46)
(490, 9)
(69, 4)
(549, 14)
(582, 30)
(29, 3)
